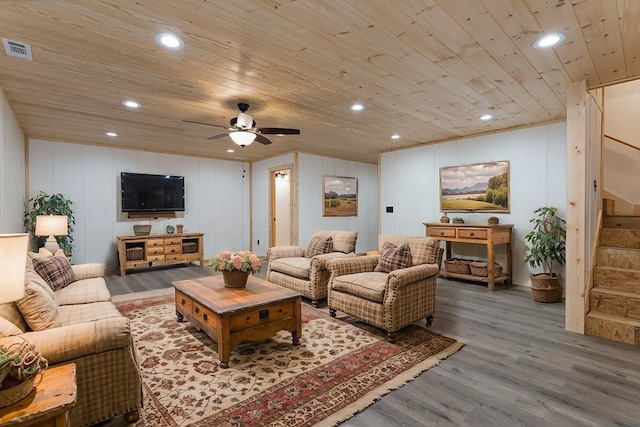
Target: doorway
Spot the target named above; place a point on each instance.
(281, 212)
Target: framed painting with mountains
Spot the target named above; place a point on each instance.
(340, 196)
(477, 187)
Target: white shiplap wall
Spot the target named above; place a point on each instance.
(311, 197)
(537, 156)
(12, 170)
(216, 193)
(311, 170)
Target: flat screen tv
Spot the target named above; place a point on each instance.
(151, 193)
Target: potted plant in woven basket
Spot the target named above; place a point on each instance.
(20, 364)
(235, 267)
(546, 248)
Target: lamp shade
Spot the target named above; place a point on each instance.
(242, 138)
(51, 225)
(13, 256)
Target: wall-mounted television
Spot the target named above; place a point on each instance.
(151, 193)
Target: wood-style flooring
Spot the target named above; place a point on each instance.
(519, 366)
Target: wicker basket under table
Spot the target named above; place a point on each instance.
(481, 269)
(457, 265)
(189, 247)
(135, 254)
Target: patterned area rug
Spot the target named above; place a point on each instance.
(339, 369)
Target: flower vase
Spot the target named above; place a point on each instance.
(235, 279)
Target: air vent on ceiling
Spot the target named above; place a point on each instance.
(17, 49)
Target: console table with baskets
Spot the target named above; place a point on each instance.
(158, 249)
(488, 235)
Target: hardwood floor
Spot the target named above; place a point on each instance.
(153, 278)
(519, 366)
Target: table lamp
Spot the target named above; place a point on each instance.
(13, 256)
(51, 225)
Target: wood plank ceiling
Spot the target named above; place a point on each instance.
(424, 69)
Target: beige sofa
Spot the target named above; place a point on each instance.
(391, 298)
(79, 324)
(294, 267)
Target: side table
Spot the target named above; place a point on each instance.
(489, 235)
(48, 404)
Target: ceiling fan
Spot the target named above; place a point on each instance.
(243, 130)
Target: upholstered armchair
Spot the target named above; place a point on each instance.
(304, 269)
(390, 290)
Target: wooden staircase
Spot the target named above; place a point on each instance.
(614, 300)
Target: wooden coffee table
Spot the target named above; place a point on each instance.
(230, 316)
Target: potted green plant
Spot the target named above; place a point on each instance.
(20, 362)
(55, 204)
(546, 248)
(458, 220)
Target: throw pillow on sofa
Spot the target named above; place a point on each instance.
(319, 245)
(38, 306)
(8, 329)
(42, 253)
(393, 257)
(56, 271)
(12, 314)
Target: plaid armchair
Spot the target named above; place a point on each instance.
(294, 267)
(387, 300)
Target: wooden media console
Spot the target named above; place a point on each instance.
(159, 249)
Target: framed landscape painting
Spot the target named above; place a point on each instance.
(477, 187)
(340, 196)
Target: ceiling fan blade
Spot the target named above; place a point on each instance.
(222, 135)
(262, 140)
(205, 124)
(279, 131)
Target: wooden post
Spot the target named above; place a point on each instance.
(576, 207)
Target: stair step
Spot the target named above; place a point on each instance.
(613, 327)
(620, 237)
(620, 303)
(621, 279)
(618, 257)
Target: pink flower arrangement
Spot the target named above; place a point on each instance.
(244, 261)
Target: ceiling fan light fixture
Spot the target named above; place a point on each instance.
(244, 121)
(242, 138)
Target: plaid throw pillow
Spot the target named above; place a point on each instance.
(319, 245)
(55, 270)
(394, 257)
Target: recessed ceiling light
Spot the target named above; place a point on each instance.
(111, 134)
(169, 40)
(485, 117)
(230, 151)
(395, 136)
(549, 40)
(131, 103)
(357, 107)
